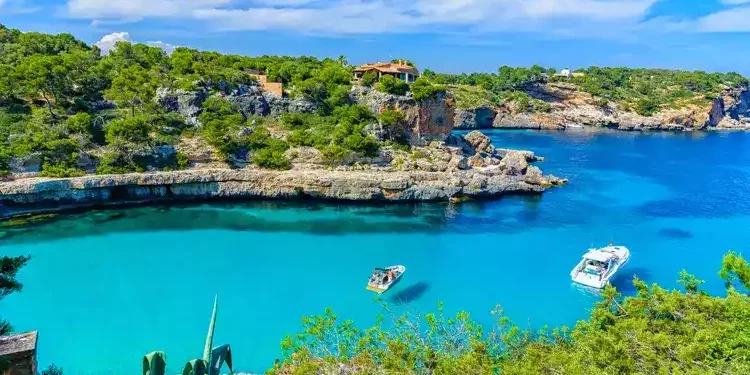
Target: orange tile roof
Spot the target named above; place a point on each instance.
(388, 68)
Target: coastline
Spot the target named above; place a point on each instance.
(45, 195)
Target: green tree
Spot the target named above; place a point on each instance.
(9, 267)
(131, 87)
(392, 85)
(130, 130)
(423, 89)
(43, 76)
(392, 120)
(369, 79)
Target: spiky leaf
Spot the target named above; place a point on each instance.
(219, 356)
(155, 363)
(210, 335)
(195, 367)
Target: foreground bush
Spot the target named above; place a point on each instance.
(657, 331)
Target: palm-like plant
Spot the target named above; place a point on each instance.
(155, 363)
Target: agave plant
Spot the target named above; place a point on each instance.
(155, 363)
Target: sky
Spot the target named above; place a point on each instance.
(443, 35)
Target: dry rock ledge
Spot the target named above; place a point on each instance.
(488, 173)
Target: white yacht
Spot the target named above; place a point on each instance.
(599, 265)
(383, 279)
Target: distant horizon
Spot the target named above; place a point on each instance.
(447, 36)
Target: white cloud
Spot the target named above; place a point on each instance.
(168, 48)
(374, 16)
(730, 20)
(137, 9)
(107, 42)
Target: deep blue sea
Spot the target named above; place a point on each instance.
(106, 287)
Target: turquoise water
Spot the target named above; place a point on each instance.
(106, 287)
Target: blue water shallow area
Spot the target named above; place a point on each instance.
(106, 287)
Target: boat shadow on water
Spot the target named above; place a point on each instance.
(623, 280)
(409, 294)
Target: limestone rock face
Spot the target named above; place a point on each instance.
(571, 108)
(425, 120)
(480, 142)
(475, 118)
(39, 194)
(31, 163)
(514, 163)
(519, 121)
(187, 103)
(156, 157)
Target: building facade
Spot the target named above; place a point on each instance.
(275, 88)
(400, 70)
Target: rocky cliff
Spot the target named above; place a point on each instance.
(425, 120)
(572, 108)
(471, 167)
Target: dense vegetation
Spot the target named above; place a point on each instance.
(648, 90)
(57, 95)
(656, 331)
(645, 91)
(505, 86)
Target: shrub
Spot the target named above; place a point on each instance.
(217, 108)
(80, 123)
(646, 106)
(182, 161)
(117, 162)
(392, 85)
(391, 120)
(60, 170)
(130, 130)
(365, 145)
(423, 89)
(271, 158)
(334, 154)
(369, 79)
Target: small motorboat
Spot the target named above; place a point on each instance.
(383, 279)
(599, 265)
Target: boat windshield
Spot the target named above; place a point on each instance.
(595, 267)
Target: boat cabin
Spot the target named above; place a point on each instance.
(598, 262)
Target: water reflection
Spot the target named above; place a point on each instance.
(511, 214)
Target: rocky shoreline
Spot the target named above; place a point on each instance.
(47, 195)
(573, 109)
(453, 170)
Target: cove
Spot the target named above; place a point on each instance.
(106, 287)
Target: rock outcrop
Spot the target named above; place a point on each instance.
(425, 120)
(187, 103)
(31, 163)
(572, 108)
(39, 194)
(475, 118)
(468, 166)
(250, 99)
